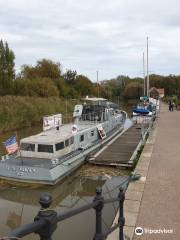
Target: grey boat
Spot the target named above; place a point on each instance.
(53, 154)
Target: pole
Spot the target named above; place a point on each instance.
(147, 69)
(144, 76)
(18, 142)
(121, 219)
(99, 198)
(98, 83)
(48, 215)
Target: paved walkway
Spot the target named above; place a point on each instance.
(160, 205)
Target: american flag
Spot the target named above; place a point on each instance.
(11, 145)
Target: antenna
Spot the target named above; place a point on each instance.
(144, 76)
(98, 83)
(147, 69)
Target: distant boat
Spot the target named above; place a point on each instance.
(53, 154)
(141, 110)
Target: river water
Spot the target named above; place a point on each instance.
(19, 205)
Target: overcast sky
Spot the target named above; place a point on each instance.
(91, 35)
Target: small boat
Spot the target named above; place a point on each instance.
(144, 108)
(141, 110)
(53, 154)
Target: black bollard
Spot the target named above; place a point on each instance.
(121, 219)
(99, 198)
(48, 215)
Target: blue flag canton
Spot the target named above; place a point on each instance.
(12, 140)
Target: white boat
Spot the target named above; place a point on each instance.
(56, 152)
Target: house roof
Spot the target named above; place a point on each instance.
(153, 89)
(159, 90)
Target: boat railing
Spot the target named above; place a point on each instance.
(67, 117)
(142, 119)
(91, 116)
(97, 116)
(45, 222)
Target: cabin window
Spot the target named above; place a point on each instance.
(92, 133)
(45, 148)
(81, 138)
(71, 140)
(28, 147)
(59, 146)
(67, 143)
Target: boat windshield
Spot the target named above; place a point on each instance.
(28, 147)
(45, 148)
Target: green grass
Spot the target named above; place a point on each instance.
(17, 112)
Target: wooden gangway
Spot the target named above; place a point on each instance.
(119, 152)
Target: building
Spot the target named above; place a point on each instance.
(156, 92)
(161, 92)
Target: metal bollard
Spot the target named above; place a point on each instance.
(98, 209)
(121, 219)
(50, 217)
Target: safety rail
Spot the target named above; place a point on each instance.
(96, 116)
(45, 222)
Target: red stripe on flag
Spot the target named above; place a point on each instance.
(12, 148)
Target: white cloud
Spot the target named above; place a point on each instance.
(89, 35)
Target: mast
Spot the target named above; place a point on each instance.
(98, 83)
(144, 76)
(147, 69)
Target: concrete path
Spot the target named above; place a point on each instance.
(159, 210)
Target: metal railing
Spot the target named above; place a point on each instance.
(45, 222)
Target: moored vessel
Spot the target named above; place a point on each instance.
(53, 154)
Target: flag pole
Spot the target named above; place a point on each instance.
(19, 147)
(144, 78)
(147, 67)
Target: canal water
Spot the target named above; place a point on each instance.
(19, 205)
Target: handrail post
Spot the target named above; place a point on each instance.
(121, 219)
(99, 198)
(49, 215)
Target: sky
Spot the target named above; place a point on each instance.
(108, 36)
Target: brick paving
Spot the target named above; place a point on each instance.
(160, 205)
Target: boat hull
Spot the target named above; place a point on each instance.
(50, 176)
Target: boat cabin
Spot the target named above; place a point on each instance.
(48, 144)
(93, 121)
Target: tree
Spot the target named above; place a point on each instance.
(44, 68)
(83, 85)
(70, 76)
(7, 72)
(133, 90)
(38, 87)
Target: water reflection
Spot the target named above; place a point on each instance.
(19, 205)
(14, 220)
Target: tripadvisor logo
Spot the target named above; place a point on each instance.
(139, 231)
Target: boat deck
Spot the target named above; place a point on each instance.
(54, 135)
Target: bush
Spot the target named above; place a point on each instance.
(18, 112)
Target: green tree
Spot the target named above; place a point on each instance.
(44, 68)
(7, 72)
(83, 85)
(70, 76)
(133, 90)
(37, 87)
